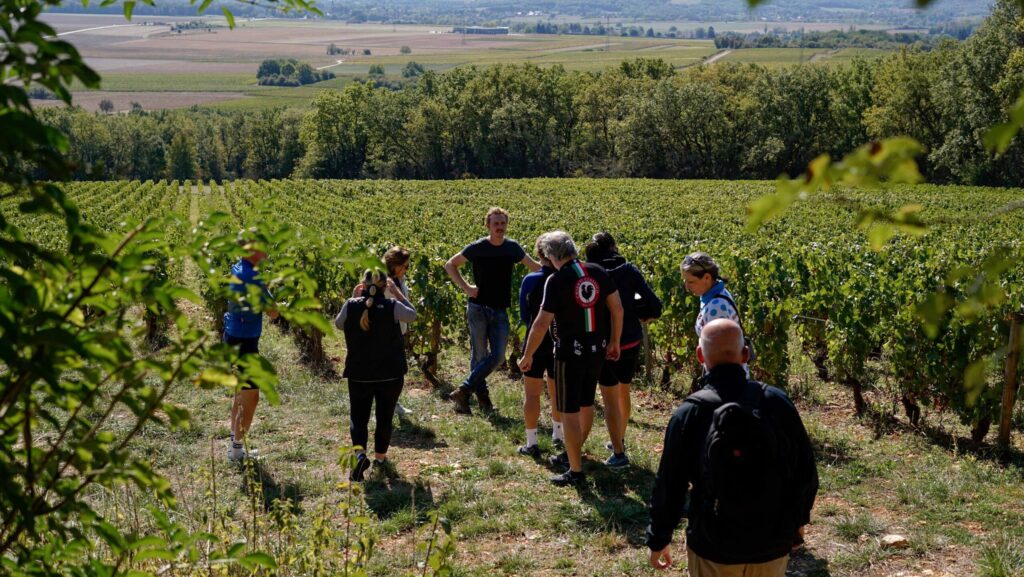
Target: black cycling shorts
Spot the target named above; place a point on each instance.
(622, 370)
(541, 362)
(576, 382)
(246, 346)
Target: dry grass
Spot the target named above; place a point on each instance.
(962, 510)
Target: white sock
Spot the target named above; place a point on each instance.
(531, 437)
(556, 431)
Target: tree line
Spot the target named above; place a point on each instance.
(640, 119)
(832, 39)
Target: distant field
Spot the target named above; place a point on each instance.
(791, 56)
(157, 66)
(178, 82)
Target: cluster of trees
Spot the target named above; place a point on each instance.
(576, 28)
(289, 72)
(334, 50)
(410, 72)
(829, 39)
(641, 119)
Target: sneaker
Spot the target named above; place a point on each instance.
(530, 451)
(236, 452)
(617, 461)
(461, 400)
(611, 447)
(559, 460)
(558, 444)
(359, 471)
(402, 411)
(484, 398)
(569, 478)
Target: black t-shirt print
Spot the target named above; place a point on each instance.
(492, 270)
(577, 295)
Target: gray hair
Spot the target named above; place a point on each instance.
(557, 245)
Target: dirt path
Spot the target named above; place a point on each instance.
(818, 56)
(336, 62)
(94, 28)
(717, 57)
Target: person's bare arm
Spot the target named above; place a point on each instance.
(615, 308)
(531, 264)
(537, 331)
(452, 268)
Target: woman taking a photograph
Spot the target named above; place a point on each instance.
(396, 259)
(375, 364)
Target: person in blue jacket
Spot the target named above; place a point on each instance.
(242, 329)
(531, 293)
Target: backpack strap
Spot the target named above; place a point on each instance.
(705, 397)
(753, 395)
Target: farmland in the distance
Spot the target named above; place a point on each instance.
(149, 62)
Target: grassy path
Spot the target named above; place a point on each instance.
(962, 511)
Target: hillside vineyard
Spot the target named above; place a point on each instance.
(811, 276)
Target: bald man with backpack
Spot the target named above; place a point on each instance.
(739, 447)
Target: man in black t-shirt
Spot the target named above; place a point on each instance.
(582, 302)
(492, 258)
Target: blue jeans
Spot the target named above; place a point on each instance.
(487, 326)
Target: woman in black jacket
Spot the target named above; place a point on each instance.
(639, 305)
(375, 364)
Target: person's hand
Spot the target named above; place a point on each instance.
(661, 559)
(394, 290)
(613, 352)
(472, 291)
(358, 292)
(799, 541)
(525, 363)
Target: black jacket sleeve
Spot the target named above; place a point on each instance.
(673, 480)
(647, 293)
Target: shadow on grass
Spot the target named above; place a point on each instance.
(959, 444)
(389, 495)
(619, 499)
(258, 480)
(413, 435)
(804, 562)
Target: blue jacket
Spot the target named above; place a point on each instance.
(240, 321)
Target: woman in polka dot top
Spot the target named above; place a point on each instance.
(702, 278)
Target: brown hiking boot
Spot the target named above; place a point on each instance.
(461, 400)
(484, 398)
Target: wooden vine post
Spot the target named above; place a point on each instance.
(1010, 384)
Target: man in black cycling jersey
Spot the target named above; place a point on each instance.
(580, 299)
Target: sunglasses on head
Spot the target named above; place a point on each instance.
(693, 267)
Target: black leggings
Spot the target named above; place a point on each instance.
(361, 395)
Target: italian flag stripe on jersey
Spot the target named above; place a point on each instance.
(589, 314)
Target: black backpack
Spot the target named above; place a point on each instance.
(742, 468)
